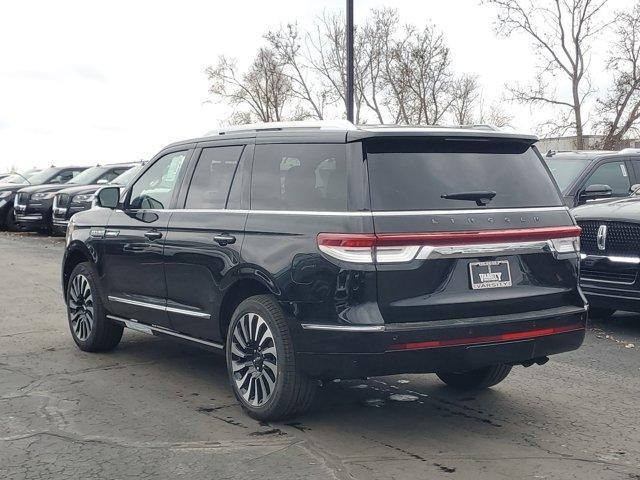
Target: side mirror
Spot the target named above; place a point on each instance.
(108, 197)
(593, 192)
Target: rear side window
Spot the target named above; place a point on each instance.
(212, 177)
(409, 174)
(308, 177)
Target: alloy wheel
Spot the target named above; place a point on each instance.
(254, 359)
(81, 307)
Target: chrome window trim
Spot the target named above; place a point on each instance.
(159, 307)
(469, 211)
(368, 213)
(151, 329)
(343, 328)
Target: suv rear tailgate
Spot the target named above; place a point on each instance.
(470, 260)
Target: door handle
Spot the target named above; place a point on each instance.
(224, 239)
(153, 235)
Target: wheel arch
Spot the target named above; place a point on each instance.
(235, 294)
(76, 254)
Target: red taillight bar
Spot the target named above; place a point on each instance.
(504, 337)
(447, 238)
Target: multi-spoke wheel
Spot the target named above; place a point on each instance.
(254, 359)
(81, 307)
(261, 362)
(90, 328)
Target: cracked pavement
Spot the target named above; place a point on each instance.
(157, 409)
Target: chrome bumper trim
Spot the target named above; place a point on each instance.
(343, 328)
(612, 258)
(28, 218)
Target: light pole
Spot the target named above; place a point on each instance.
(350, 72)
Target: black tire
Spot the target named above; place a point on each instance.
(601, 313)
(478, 379)
(292, 391)
(102, 334)
(10, 221)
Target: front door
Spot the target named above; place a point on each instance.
(134, 241)
(202, 250)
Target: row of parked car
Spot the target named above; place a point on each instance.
(45, 200)
(306, 253)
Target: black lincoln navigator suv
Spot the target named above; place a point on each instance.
(328, 251)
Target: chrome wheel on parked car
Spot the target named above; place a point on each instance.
(254, 359)
(81, 307)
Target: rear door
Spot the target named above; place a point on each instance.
(134, 241)
(202, 249)
(446, 251)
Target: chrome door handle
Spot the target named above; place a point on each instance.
(223, 239)
(153, 235)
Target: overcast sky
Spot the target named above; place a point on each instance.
(87, 82)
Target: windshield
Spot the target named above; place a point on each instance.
(88, 176)
(41, 177)
(127, 176)
(19, 178)
(566, 170)
(448, 174)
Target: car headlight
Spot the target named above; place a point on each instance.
(84, 198)
(5, 194)
(43, 196)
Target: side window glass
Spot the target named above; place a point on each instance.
(64, 176)
(237, 185)
(110, 175)
(613, 174)
(299, 177)
(154, 188)
(212, 177)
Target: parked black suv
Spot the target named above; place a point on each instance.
(610, 245)
(71, 200)
(326, 252)
(588, 175)
(33, 205)
(11, 185)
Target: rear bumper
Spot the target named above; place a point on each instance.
(438, 347)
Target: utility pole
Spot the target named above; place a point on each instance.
(350, 67)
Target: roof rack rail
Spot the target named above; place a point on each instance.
(627, 151)
(279, 126)
(480, 126)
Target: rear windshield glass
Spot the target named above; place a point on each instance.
(408, 174)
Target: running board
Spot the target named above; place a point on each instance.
(155, 330)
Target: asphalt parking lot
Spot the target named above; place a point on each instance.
(156, 409)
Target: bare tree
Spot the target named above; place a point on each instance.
(466, 93)
(418, 72)
(289, 49)
(620, 108)
(562, 32)
(263, 88)
(494, 115)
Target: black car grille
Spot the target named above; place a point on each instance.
(608, 275)
(62, 200)
(623, 238)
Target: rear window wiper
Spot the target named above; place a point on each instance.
(481, 198)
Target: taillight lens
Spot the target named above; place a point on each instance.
(404, 247)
